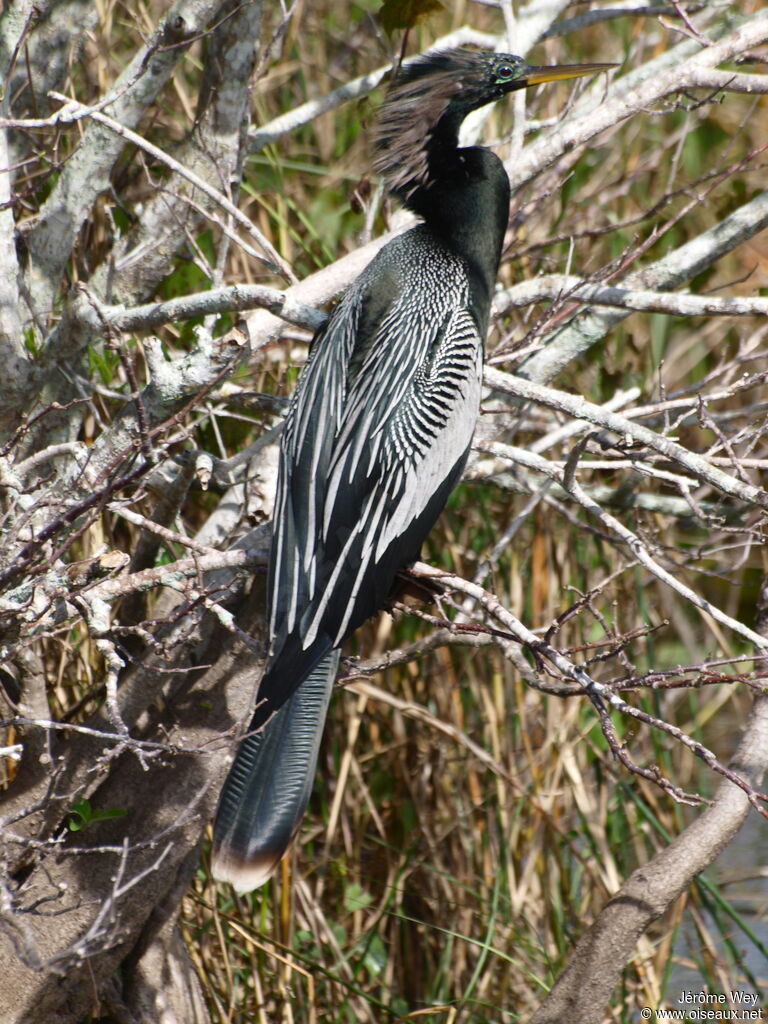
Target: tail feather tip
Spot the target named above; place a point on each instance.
(244, 876)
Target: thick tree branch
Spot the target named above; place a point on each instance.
(580, 290)
(594, 967)
(628, 98)
(86, 174)
(682, 264)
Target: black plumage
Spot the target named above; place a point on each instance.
(377, 434)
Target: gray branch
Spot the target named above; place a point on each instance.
(214, 152)
(627, 98)
(572, 289)
(581, 409)
(584, 988)
(86, 174)
(682, 264)
(232, 299)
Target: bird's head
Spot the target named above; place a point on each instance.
(433, 94)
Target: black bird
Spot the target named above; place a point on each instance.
(377, 434)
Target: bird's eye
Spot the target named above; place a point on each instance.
(505, 72)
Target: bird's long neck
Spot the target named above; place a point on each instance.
(465, 203)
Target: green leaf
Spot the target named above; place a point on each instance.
(82, 814)
(30, 342)
(356, 898)
(375, 958)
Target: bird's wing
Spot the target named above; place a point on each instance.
(311, 426)
(377, 435)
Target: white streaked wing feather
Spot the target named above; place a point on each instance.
(371, 453)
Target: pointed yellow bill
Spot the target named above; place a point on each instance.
(559, 72)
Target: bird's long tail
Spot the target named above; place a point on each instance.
(269, 783)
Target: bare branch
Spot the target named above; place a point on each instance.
(671, 270)
(631, 97)
(232, 299)
(593, 970)
(86, 173)
(72, 107)
(580, 290)
(579, 408)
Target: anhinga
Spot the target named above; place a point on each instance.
(377, 434)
